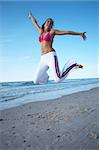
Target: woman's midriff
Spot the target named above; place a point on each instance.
(47, 51)
(46, 48)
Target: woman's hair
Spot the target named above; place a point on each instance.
(45, 22)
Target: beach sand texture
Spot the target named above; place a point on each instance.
(67, 123)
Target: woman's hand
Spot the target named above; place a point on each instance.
(83, 35)
(30, 15)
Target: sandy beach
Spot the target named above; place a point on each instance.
(67, 123)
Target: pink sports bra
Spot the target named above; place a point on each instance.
(47, 37)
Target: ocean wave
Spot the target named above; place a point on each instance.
(11, 91)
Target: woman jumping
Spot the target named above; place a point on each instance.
(48, 54)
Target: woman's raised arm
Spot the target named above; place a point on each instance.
(58, 32)
(30, 16)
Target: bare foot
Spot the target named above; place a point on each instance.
(79, 66)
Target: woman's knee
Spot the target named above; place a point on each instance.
(35, 81)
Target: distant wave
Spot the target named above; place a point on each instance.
(23, 83)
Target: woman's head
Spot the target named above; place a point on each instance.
(48, 24)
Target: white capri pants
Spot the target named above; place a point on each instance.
(50, 61)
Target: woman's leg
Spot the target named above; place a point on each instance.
(41, 75)
(68, 70)
(54, 67)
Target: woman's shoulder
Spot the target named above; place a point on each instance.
(52, 32)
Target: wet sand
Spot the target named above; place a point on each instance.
(67, 123)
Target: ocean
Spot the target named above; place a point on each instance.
(14, 94)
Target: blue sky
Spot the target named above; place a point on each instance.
(19, 46)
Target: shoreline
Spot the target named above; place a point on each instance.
(67, 123)
(30, 99)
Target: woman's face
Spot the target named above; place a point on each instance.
(48, 24)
